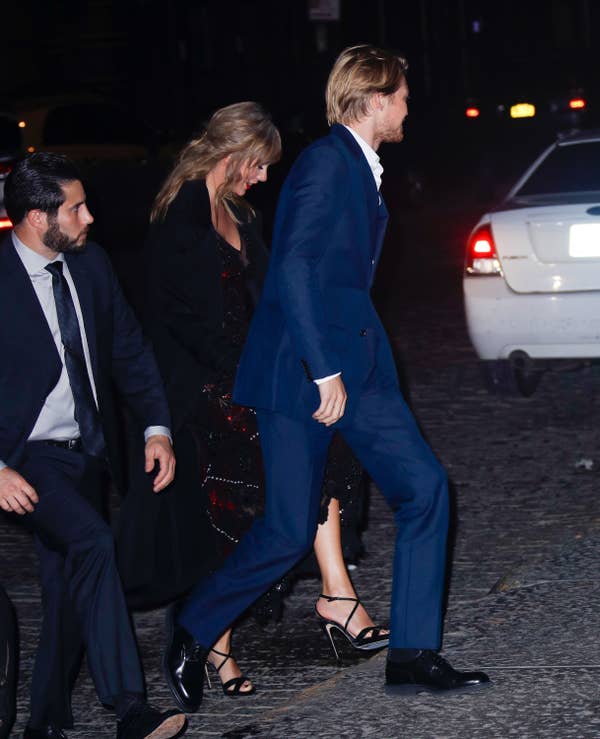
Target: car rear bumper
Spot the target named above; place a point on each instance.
(545, 326)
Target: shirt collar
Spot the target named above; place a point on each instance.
(33, 262)
(371, 156)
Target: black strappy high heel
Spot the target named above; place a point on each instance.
(233, 687)
(368, 638)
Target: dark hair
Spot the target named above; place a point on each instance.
(35, 183)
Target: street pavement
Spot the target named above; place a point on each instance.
(524, 564)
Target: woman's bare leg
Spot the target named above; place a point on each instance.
(334, 574)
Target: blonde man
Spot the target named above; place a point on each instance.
(316, 361)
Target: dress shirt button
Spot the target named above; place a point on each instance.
(363, 332)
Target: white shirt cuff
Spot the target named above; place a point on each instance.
(321, 380)
(157, 430)
(2, 465)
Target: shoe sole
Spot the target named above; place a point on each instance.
(374, 645)
(418, 688)
(170, 727)
(169, 629)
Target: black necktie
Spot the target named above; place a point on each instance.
(86, 413)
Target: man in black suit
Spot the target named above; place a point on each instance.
(67, 336)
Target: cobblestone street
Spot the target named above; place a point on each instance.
(524, 564)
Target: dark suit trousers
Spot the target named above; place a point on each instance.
(384, 436)
(82, 598)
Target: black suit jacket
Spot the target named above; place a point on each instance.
(184, 301)
(30, 365)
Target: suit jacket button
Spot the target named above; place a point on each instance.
(363, 332)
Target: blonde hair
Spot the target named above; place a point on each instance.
(242, 131)
(358, 73)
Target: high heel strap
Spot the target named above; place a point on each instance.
(227, 655)
(331, 598)
(234, 686)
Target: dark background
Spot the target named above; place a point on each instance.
(174, 61)
(171, 63)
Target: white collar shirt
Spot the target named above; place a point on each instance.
(370, 155)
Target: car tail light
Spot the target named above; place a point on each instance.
(522, 110)
(481, 253)
(5, 168)
(577, 103)
(472, 112)
(5, 223)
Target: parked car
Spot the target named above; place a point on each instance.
(10, 147)
(86, 128)
(532, 271)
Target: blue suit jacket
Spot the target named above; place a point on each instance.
(30, 365)
(315, 316)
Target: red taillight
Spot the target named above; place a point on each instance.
(5, 167)
(5, 223)
(577, 103)
(481, 256)
(472, 112)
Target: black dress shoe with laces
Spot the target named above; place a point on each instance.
(184, 663)
(146, 722)
(429, 671)
(47, 732)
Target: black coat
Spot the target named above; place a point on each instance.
(184, 301)
(166, 542)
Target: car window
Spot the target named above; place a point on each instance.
(91, 123)
(10, 135)
(568, 168)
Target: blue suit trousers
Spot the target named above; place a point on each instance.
(385, 438)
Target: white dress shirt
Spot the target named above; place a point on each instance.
(377, 170)
(56, 420)
(370, 155)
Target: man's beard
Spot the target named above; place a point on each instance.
(59, 242)
(392, 135)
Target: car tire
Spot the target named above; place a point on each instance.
(502, 377)
(527, 380)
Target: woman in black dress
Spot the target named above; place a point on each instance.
(205, 271)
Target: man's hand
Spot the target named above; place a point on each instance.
(158, 447)
(16, 494)
(333, 401)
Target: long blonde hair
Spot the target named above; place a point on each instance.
(242, 131)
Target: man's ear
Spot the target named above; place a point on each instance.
(378, 101)
(37, 219)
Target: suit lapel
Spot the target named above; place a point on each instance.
(377, 214)
(380, 226)
(17, 290)
(85, 293)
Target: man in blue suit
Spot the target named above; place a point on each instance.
(317, 360)
(67, 335)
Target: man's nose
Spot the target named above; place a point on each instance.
(88, 217)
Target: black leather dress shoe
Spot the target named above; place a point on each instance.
(47, 732)
(142, 721)
(430, 671)
(183, 664)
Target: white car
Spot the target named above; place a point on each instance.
(532, 270)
